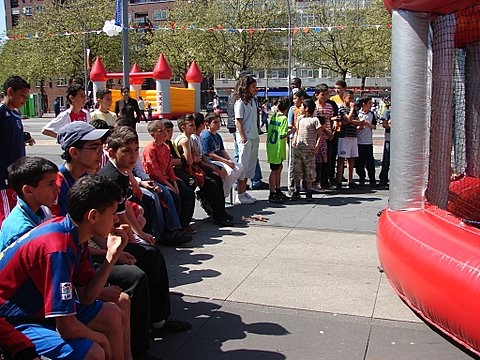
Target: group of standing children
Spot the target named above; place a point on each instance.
(318, 129)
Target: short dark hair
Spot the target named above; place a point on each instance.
(101, 124)
(347, 92)
(66, 154)
(296, 81)
(73, 89)
(102, 92)
(16, 83)
(29, 170)
(168, 124)
(309, 104)
(124, 121)
(301, 94)
(199, 119)
(125, 88)
(283, 103)
(365, 99)
(341, 83)
(121, 136)
(210, 117)
(321, 88)
(91, 192)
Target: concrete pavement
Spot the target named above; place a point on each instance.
(304, 285)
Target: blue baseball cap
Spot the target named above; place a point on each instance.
(76, 131)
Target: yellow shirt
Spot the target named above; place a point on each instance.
(109, 117)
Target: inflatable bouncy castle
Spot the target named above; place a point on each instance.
(167, 102)
(428, 239)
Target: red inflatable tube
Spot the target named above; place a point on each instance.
(432, 260)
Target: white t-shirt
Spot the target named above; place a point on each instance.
(248, 114)
(365, 136)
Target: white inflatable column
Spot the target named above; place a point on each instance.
(196, 86)
(163, 96)
(136, 90)
(97, 85)
(410, 110)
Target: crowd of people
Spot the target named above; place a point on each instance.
(82, 274)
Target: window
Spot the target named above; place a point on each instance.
(175, 79)
(309, 73)
(279, 74)
(62, 82)
(15, 19)
(39, 8)
(38, 83)
(27, 11)
(160, 15)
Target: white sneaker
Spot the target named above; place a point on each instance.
(244, 199)
(250, 197)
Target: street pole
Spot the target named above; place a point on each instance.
(289, 77)
(85, 62)
(125, 55)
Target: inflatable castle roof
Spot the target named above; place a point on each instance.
(434, 6)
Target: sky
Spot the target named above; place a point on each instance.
(3, 26)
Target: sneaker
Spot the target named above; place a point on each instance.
(261, 185)
(244, 199)
(275, 199)
(283, 196)
(228, 216)
(316, 188)
(338, 187)
(309, 196)
(295, 196)
(352, 185)
(175, 238)
(250, 197)
(224, 222)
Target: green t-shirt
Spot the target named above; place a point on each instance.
(277, 138)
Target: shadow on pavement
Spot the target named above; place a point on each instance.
(212, 329)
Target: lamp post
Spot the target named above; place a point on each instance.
(85, 63)
(125, 55)
(289, 75)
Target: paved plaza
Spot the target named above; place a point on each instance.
(303, 285)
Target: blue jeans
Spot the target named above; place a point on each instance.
(172, 221)
(158, 209)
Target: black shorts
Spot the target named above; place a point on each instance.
(275, 166)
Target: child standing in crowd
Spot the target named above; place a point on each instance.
(347, 142)
(12, 137)
(323, 109)
(277, 149)
(306, 144)
(104, 99)
(247, 137)
(76, 112)
(298, 96)
(365, 142)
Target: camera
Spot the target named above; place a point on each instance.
(26, 136)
